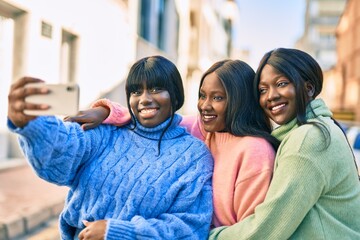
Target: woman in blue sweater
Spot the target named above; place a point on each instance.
(147, 180)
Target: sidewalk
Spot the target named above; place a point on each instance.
(26, 201)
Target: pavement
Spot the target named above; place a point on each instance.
(28, 203)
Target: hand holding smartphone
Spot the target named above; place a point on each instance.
(63, 99)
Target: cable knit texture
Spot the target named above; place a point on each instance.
(118, 113)
(242, 170)
(115, 173)
(315, 191)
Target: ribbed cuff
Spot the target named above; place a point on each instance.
(118, 115)
(118, 229)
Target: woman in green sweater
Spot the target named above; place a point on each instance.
(315, 190)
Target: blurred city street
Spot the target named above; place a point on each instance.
(27, 202)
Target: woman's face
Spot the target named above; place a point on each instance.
(212, 104)
(151, 107)
(277, 96)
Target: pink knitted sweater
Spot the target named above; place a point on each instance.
(243, 166)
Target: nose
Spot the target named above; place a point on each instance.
(145, 98)
(273, 94)
(205, 105)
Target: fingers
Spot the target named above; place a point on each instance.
(84, 231)
(84, 125)
(17, 104)
(23, 81)
(20, 106)
(78, 118)
(82, 118)
(88, 126)
(20, 91)
(81, 235)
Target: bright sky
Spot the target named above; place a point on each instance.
(267, 24)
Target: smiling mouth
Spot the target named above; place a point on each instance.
(208, 118)
(277, 108)
(148, 112)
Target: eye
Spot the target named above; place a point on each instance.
(156, 90)
(283, 84)
(136, 92)
(262, 90)
(218, 98)
(202, 96)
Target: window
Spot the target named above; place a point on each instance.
(159, 23)
(68, 57)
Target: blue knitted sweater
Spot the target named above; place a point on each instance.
(117, 174)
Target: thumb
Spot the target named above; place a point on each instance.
(86, 223)
(87, 126)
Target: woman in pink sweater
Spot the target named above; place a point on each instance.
(232, 124)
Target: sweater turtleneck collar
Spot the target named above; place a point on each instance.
(154, 133)
(314, 109)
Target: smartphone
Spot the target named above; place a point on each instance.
(63, 99)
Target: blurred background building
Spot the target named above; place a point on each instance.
(321, 19)
(93, 43)
(331, 36)
(347, 68)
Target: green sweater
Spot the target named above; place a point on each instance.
(315, 191)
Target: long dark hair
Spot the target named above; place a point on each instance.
(244, 116)
(156, 71)
(299, 67)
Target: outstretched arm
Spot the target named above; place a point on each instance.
(109, 112)
(101, 111)
(54, 149)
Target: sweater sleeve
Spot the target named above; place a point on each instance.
(188, 217)
(56, 150)
(296, 186)
(254, 177)
(118, 115)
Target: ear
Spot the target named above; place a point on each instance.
(310, 89)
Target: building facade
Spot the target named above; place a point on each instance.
(347, 67)
(89, 43)
(93, 43)
(321, 19)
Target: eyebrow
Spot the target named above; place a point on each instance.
(276, 78)
(214, 91)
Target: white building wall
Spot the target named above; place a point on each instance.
(105, 48)
(106, 42)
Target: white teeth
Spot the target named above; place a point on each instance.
(277, 107)
(148, 110)
(209, 117)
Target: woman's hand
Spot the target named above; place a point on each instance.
(17, 104)
(90, 118)
(93, 230)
